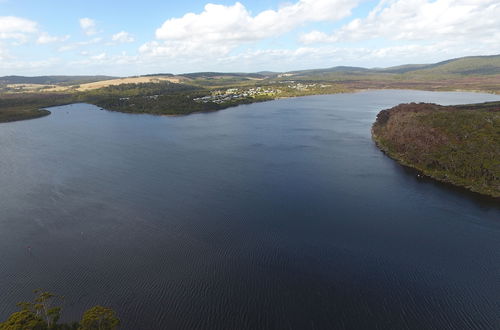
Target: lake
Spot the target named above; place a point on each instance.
(276, 215)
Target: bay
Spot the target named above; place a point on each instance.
(272, 215)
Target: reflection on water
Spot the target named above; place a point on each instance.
(272, 215)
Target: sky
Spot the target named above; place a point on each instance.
(123, 38)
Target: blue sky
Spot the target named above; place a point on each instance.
(150, 36)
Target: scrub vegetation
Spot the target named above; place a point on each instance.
(15, 107)
(455, 144)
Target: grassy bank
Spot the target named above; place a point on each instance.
(454, 144)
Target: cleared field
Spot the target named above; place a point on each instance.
(35, 88)
(31, 87)
(130, 80)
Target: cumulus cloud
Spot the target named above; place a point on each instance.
(420, 20)
(219, 28)
(17, 28)
(122, 37)
(88, 26)
(329, 56)
(316, 37)
(230, 38)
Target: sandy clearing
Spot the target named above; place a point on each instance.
(22, 88)
(130, 80)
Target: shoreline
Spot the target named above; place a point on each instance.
(40, 113)
(319, 94)
(429, 175)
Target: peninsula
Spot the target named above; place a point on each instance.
(455, 144)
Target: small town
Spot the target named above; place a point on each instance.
(303, 87)
(222, 96)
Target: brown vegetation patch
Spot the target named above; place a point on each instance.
(456, 144)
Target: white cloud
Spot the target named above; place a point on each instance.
(17, 28)
(316, 37)
(122, 37)
(253, 60)
(88, 26)
(235, 23)
(415, 20)
(220, 29)
(79, 44)
(231, 38)
(45, 38)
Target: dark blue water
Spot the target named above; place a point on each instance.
(277, 215)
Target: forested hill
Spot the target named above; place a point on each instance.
(455, 144)
(473, 65)
(463, 66)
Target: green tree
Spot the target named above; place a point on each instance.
(24, 320)
(43, 314)
(44, 308)
(39, 314)
(99, 318)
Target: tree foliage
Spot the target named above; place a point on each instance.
(24, 320)
(44, 312)
(456, 144)
(99, 318)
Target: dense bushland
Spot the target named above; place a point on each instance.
(456, 144)
(25, 106)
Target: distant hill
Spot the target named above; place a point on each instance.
(466, 73)
(337, 69)
(209, 75)
(404, 68)
(53, 80)
(464, 66)
(158, 75)
(472, 65)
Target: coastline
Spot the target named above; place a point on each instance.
(428, 174)
(29, 115)
(388, 145)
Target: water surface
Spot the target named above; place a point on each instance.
(268, 216)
